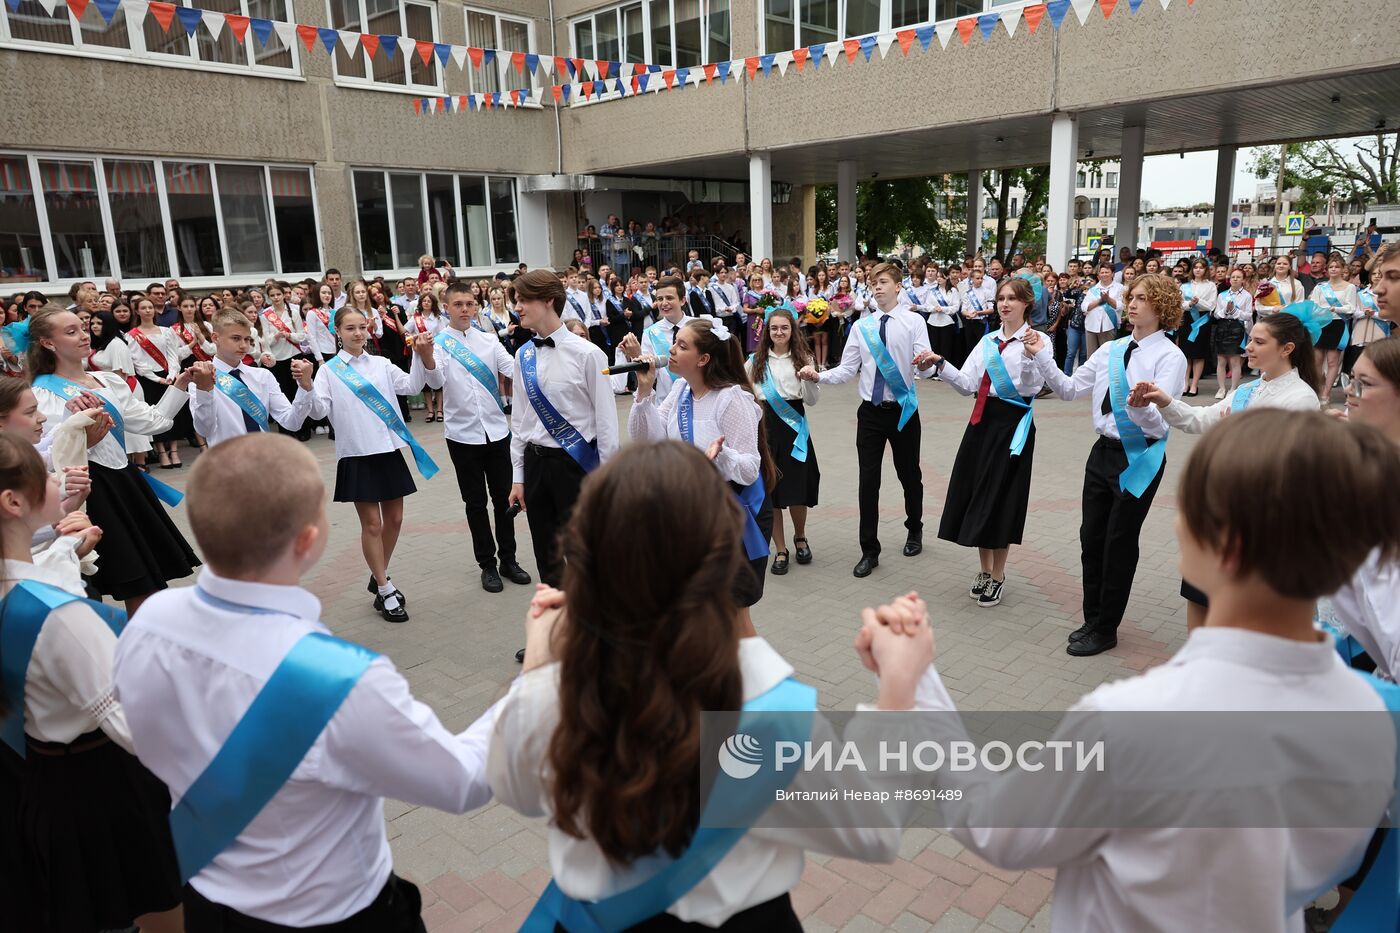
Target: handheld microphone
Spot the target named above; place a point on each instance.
(635, 367)
(514, 510)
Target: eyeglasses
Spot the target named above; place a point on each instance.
(1355, 388)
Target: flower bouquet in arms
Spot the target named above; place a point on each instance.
(817, 312)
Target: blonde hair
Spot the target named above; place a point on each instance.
(228, 317)
(1163, 294)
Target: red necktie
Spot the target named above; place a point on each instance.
(983, 388)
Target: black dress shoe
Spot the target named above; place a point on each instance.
(373, 588)
(864, 567)
(397, 614)
(520, 656)
(914, 545)
(804, 550)
(1079, 633)
(1091, 644)
(379, 601)
(491, 580)
(515, 573)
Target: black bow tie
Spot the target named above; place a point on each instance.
(542, 341)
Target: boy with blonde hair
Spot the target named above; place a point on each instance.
(231, 399)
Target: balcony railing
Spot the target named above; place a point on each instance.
(663, 251)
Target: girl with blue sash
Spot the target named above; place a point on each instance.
(1338, 296)
(356, 391)
(141, 547)
(85, 841)
(978, 312)
(1194, 336)
(712, 406)
(1234, 315)
(944, 321)
(773, 369)
(990, 487)
(427, 321)
(1367, 327)
(639, 656)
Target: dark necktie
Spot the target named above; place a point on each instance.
(1107, 406)
(985, 386)
(877, 391)
(248, 420)
(675, 329)
(542, 341)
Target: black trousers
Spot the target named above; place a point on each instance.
(1108, 535)
(552, 481)
(282, 372)
(481, 468)
(397, 909)
(877, 425)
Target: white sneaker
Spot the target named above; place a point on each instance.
(979, 584)
(1220, 393)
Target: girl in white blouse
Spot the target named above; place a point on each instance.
(157, 353)
(773, 368)
(639, 655)
(84, 828)
(712, 406)
(1197, 305)
(1338, 296)
(1234, 313)
(427, 321)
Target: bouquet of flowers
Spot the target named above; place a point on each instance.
(1268, 296)
(843, 304)
(816, 312)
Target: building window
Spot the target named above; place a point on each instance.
(506, 35)
(1111, 207)
(1080, 179)
(670, 33)
(68, 217)
(1111, 180)
(1015, 208)
(1095, 207)
(467, 219)
(30, 22)
(413, 20)
(790, 24)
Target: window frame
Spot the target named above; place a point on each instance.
(648, 53)
(369, 81)
(96, 162)
(137, 51)
(503, 66)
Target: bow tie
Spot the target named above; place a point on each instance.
(542, 341)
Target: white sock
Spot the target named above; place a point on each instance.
(387, 588)
(391, 601)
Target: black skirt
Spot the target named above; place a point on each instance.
(1331, 336)
(989, 489)
(183, 427)
(798, 480)
(748, 584)
(373, 478)
(94, 828)
(1203, 347)
(1228, 337)
(141, 549)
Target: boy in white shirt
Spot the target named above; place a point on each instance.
(231, 399)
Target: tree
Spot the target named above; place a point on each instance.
(1361, 172)
(887, 212)
(1035, 182)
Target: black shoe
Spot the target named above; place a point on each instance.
(515, 573)
(865, 565)
(397, 614)
(914, 545)
(379, 601)
(1079, 633)
(491, 580)
(780, 563)
(1091, 644)
(373, 588)
(520, 656)
(804, 550)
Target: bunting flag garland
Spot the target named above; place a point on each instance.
(1057, 10)
(1033, 15)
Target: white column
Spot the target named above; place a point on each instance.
(1059, 211)
(532, 226)
(1129, 187)
(974, 211)
(846, 210)
(761, 205)
(1224, 188)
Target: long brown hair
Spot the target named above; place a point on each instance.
(797, 346)
(642, 654)
(725, 369)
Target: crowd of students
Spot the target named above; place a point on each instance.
(236, 682)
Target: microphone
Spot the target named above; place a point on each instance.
(635, 367)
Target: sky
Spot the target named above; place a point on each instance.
(1171, 181)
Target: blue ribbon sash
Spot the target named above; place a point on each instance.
(381, 409)
(660, 345)
(1107, 308)
(284, 720)
(790, 416)
(1244, 395)
(869, 328)
(733, 805)
(584, 452)
(750, 497)
(70, 390)
(1199, 317)
(1334, 303)
(243, 397)
(1144, 460)
(472, 363)
(1007, 392)
(22, 615)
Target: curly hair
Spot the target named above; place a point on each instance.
(644, 652)
(1164, 295)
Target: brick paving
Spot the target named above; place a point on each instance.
(482, 871)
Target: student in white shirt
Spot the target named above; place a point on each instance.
(669, 306)
(884, 416)
(978, 311)
(313, 852)
(370, 470)
(1234, 313)
(990, 487)
(640, 654)
(575, 299)
(425, 318)
(1103, 310)
(318, 309)
(1338, 296)
(288, 339)
(478, 432)
(1198, 298)
(218, 405)
(157, 354)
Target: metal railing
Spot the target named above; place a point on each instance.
(662, 251)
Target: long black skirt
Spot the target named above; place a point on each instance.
(798, 480)
(373, 478)
(1203, 347)
(141, 549)
(748, 583)
(184, 424)
(989, 489)
(945, 339)
(94, 828)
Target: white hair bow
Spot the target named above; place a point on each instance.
(716, 327)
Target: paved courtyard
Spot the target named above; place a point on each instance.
(483, 870)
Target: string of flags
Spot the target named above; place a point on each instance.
(586, 79)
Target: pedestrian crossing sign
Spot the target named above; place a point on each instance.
(1094, 242)
(1295, 225)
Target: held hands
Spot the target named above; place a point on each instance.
(76, 486)
(1033, 342)
(100, 424)
(84, 401)
(1145, 393)
(267, 361)
(631, 348)
(182, 381)
(301, 372)
(546, 612)
(926, 359)
(79, 526)
(895, 641)
(202, 374)
(807, 373)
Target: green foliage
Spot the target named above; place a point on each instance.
(1361, 171)
(887, 212)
